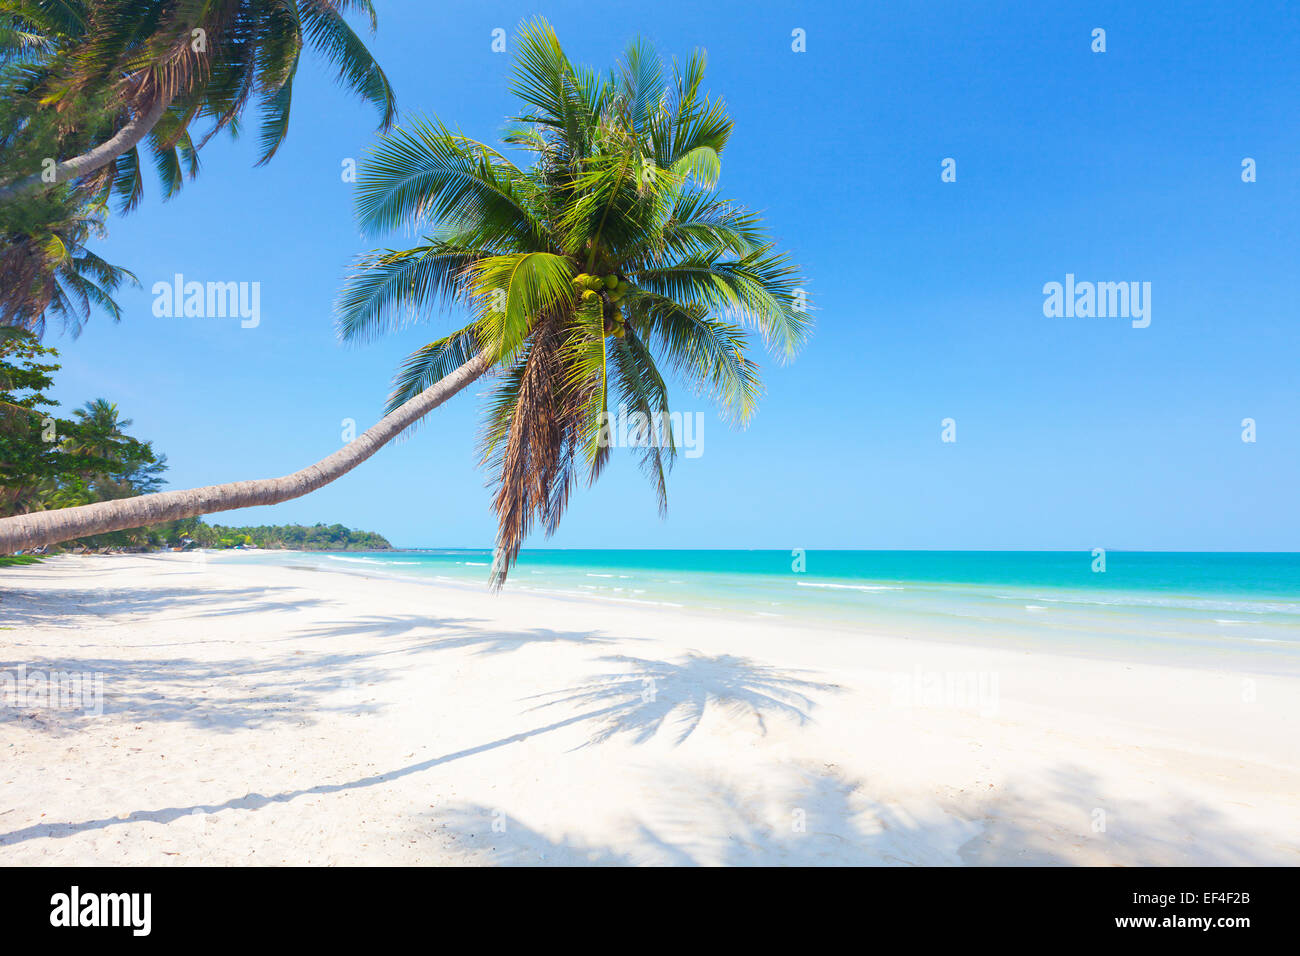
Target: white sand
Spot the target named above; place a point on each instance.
(284, 716)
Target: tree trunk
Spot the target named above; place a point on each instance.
(124, 139)
(48, 527)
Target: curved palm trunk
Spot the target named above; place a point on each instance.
(124, 139)
(49, 527)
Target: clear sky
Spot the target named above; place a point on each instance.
(1071, 432)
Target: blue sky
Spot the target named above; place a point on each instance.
(1071, 432)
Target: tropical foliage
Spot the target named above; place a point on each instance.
(291, 537)
(602, 266)
(46, 267)
(52, 462)
(93, 83)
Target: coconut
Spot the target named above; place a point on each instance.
(595, 283)
(611, 282)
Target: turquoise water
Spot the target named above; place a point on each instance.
(1242, 610)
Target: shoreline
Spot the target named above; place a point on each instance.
(1256, 656)
(257, 713)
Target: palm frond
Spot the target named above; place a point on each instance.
(431, 363)
(390, 289)
(710, 354)
(607, 263)
(426, 174)
(514, 291)
(327, 31)
(759, 289)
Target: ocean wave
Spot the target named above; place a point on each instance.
(595, 595)
(848, 587)
(1172, 603)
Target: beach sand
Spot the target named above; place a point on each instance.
(280, 715)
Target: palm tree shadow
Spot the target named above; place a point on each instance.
(218, 696)
(808, 815)
(509, 641)
(617, 706)
(789, 816)
(85, 607)
(1175, 830)
(387, 625)
(649, 695)
(459, 633)
(501, 841)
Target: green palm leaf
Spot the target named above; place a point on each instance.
(589, 279)
(429, 363)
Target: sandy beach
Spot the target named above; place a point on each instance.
(280, 715)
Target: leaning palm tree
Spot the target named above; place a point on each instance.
(107, 74)
(587, 277)
(587, 280)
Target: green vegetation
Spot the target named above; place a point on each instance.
(94, 91)
(18, 560)
(290, 537)
(51, 462)
(588, 275)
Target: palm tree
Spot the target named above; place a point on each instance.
(103, 430)
(46, 268)
(102, 79)
(606, 263)
(148, 68)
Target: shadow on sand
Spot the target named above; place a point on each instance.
(787, 813)
(230, 692)
(91, 607)
(798, 816)
(649, 696)
(609, 706)
(465, 636)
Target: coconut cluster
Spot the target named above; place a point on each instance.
(609, 291)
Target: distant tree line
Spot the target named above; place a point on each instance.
(293, 537)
